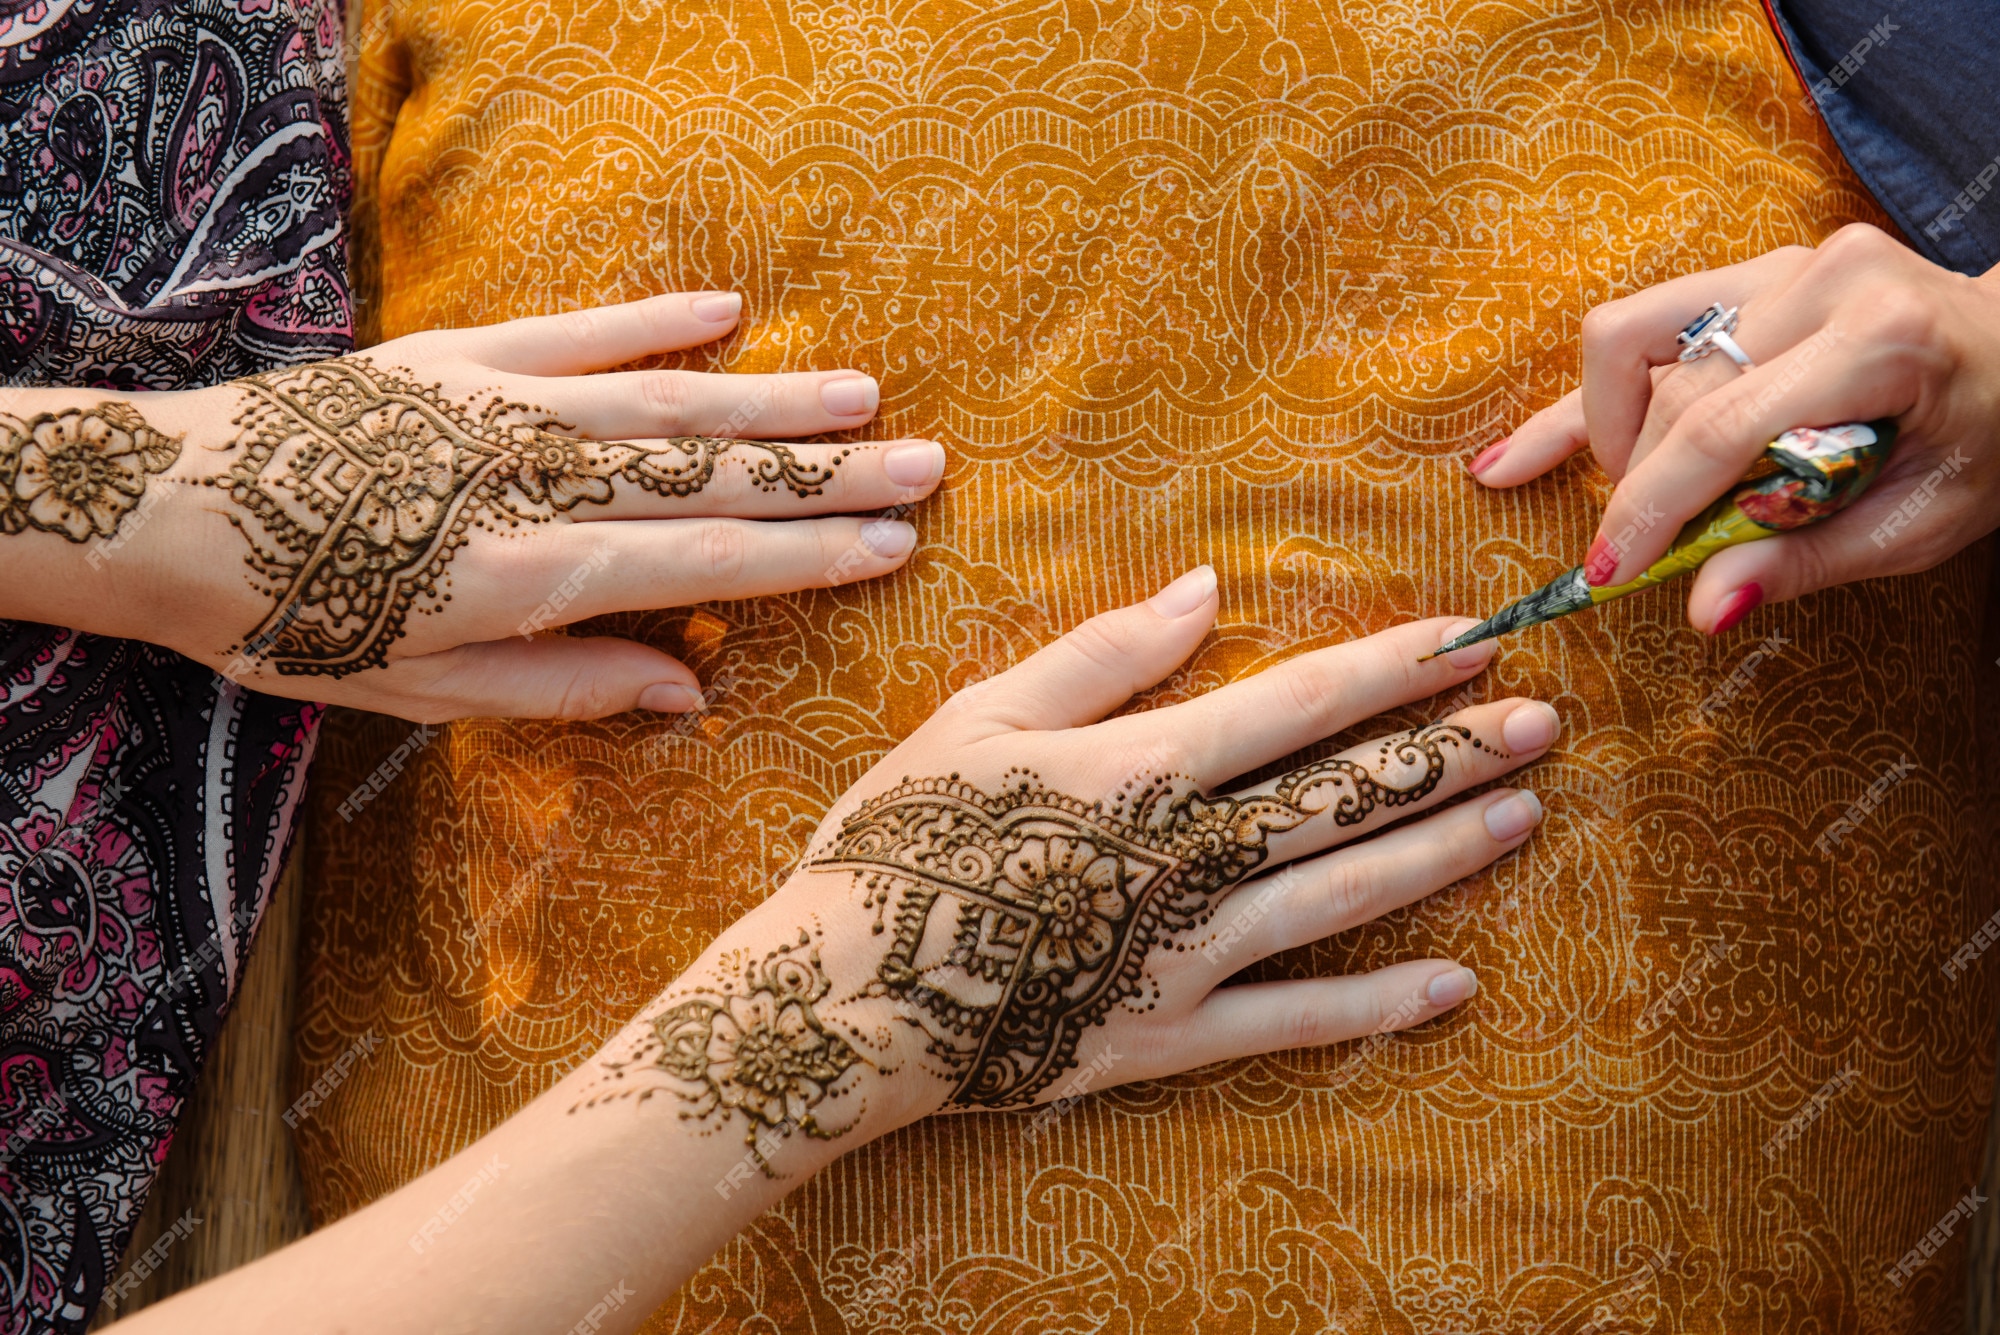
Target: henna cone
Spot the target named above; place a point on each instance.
(1806, 475)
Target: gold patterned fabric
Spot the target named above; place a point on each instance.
(1238, 283)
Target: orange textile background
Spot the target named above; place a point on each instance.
(1237, 283)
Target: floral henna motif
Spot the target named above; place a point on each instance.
(1020, 918)
(78, 472)
(356, 486)
(755, 1046)
(1016, 920)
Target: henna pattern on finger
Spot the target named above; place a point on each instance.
(1015, 920)
(355, 486)
(78, 473)
(1357, 793)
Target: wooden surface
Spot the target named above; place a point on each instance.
(232, 1163)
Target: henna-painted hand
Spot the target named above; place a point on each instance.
(1022, 902)
(398, 529)
(1858, 329)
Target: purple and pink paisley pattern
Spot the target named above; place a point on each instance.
(173, 177)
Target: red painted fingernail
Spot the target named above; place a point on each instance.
(1737, 606)
(1600, 562)
(1487, 457)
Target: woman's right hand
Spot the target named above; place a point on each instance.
(1858, 329)
(397, 529)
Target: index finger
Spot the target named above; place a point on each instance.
(572, 342)
(1248, 723)
(1624, 340)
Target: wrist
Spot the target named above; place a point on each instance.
(82, 472)
(778, 1040)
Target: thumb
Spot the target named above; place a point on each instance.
(1102, 663)
(553, 676)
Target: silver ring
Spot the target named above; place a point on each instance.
(1709, 332)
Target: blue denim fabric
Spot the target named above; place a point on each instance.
(1907, 90)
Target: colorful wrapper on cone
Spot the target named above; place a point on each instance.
(1806, 475)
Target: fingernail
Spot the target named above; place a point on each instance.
(1513, 815)
(1472, 655)
(1449, 989)
(1487, 457)
(914, 465)
(1530, 728)
(889, 537)
(669, 697)
(1600, 562)
(1184, 595)
(1737, 606)
(849, 395)
(715, 307)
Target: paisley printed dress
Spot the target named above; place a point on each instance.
(173, 175)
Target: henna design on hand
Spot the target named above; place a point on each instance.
(756, 1046)
(1016, 920)
(355, 486)
(80, 471)
(1022, 917)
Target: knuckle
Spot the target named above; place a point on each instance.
(724, 551)
(658, 317)
(1307, 1028)
(1311, 694)
(583, 329)
(842, 549)
(967, 701)
(1712, 429)
(1858, 243)
(1607, 329)
(1934, 547)
(666, 396)
(1899, 316)
(585, 696)
(1168, 754)
(1811, 570)
(1380, 1018)
(1349, 891)
(1106, 642)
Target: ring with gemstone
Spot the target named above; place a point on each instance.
(1710, 332)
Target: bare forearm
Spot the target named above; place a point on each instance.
(984, 931)
(531, 1228)
(399, 530)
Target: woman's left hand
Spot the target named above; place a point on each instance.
(1858, 329)
(1029, 899)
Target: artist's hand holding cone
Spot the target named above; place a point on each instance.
(1860, 328)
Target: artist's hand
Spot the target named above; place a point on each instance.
(1859, 328)
(1027, 900)
(399, 529)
